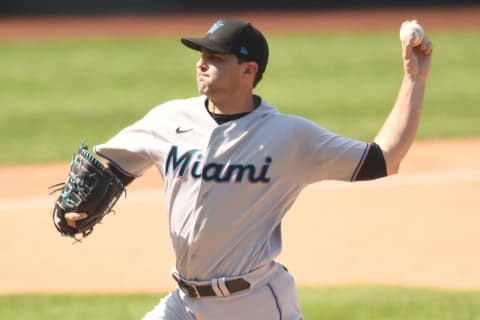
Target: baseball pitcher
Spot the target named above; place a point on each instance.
(233, 165)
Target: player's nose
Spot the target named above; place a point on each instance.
(202, 65)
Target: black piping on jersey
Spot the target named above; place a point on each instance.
(372, 164)
(277, 303)
(126, 179)
(121, 174)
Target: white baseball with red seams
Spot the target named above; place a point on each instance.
(412, 29)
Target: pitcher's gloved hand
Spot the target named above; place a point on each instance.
(91, 189)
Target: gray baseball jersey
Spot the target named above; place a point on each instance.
(228, 186)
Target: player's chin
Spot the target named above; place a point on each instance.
(202, 88)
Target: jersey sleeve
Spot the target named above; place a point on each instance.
(129, 150)
(323, 155)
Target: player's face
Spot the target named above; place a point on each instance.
(218, 73)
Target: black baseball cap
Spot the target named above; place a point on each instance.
(234, 37)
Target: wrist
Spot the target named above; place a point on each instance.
(415, 79)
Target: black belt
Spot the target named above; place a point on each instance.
(197, 291)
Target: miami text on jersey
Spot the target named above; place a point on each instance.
(219, 172)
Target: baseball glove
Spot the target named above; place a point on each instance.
(91, 188)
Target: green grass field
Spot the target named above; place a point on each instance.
(55, 93)
(332, 303)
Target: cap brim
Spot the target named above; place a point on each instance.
(203, 43)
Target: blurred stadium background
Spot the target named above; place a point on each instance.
(62, 7)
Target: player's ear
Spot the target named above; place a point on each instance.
(251, 69)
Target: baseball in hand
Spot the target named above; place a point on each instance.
(413, 29)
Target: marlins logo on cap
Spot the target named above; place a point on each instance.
(233, 37)
(217, 25)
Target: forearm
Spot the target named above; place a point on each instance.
(400, 128)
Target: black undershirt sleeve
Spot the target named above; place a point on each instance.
(126, 180)
(374, 166)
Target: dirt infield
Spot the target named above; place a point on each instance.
(418, 228)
